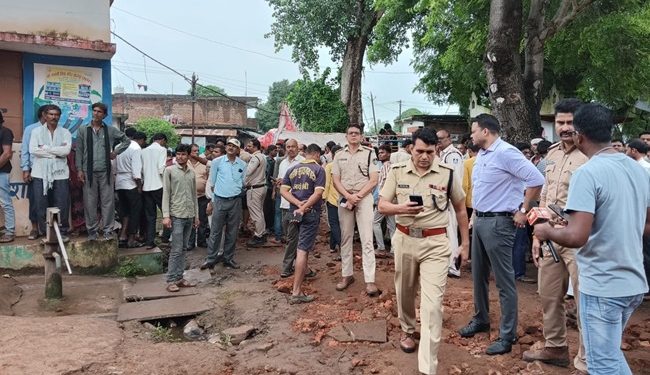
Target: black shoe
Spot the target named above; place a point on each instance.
(203, 244)
(231, 264)
(499, 346)
(190, 248)
(256, 241)
(473, 328)
(207, 265)
(285, 274)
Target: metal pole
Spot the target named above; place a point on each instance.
(194, 80)
(372, 104)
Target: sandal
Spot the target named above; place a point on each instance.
(172, 287)
(182, 283)
(303, 298)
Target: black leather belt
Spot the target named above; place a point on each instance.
(255, 186)
(229, 198)
(492, 214)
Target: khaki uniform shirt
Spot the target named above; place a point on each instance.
(403, 180)
(201, 173)
(560, 165)
(354, 168)
(256, 170)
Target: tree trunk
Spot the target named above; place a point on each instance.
(503, 67)
(351, 74)
(534, 65)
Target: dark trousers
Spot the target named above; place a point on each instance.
(646, 257)
(291, 247)
(269, 210)
(226, 218)
(335, 227)
(130, 202)
(199, 235)
(57, 196)
(277, 220)
(152, 201)
(492, 242)
(33, 215)
(519, 250)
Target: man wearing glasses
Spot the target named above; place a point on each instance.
(355, 175)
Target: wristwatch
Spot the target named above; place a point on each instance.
(522, 209)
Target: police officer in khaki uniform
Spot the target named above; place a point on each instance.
(355, 175)
(421, 242)
(562, 160)
(255, 184)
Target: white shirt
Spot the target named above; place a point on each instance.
(452, 157)
(154, 160)
(399, 156)
(645, 165)
(128, 167)
(282, 170)
(49, 153)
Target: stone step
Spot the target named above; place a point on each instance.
(148, 261)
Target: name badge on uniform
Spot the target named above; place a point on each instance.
(402, 186)
(438, 187)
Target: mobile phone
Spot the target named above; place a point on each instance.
(297, 218)
(343, 202)
(417, 199)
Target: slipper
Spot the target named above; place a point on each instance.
(135, 244)
(381, 254)
(284, 275)
(182, 283)
(311, 273)
(171, 287)
(303, 298)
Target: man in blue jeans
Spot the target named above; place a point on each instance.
(6, 140)
(180, 213)
(608, 207)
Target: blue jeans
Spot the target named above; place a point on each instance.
(277, 221)
(335, 228)
(603, 320)
(7, 205)
(181, 228)
(519, 250)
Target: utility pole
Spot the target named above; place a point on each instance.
(372, 104)
(194, 80)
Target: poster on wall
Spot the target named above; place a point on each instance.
(73, 88)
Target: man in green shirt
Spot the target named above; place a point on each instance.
(180, 210)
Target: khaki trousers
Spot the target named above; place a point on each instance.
(426, 259)
(363, 216)
(553, 285)
(255, 199)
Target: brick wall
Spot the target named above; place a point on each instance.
(178, 109)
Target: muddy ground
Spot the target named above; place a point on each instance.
(79, 335)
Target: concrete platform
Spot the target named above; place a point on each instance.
(153, 287)
(163, 308)
(86, 257)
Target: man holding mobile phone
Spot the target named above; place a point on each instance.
(423, 188)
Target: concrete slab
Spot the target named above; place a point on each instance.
(374, 331)
(163, 308)
(153, 288)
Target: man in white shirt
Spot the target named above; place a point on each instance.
(49, 146)
(128, 184)
(404, 154)
(154, 160)
(637, 149)
(292, 158)
(452, 157)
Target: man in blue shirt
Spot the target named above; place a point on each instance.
(26, 167)
(227, 177)
(609, 212)
(500, 176)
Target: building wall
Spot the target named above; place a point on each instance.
(178, 109)
(87, 19)
(11, 91)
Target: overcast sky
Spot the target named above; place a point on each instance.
(223, 42)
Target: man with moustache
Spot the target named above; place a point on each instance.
(562, 161)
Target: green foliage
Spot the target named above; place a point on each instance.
(129, 268)
(278, 93)
(409, 113)
(317, 106)
(163, 334)
(207, 90)
(151, 126)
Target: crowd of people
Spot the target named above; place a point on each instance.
(417, 204)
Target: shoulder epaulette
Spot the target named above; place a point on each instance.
(398, 165)
(554, 145)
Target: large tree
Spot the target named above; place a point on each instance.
(267, 116)
(512, 52)
(346, 28)
(316, 106)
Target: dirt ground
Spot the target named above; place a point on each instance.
(80, 335)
